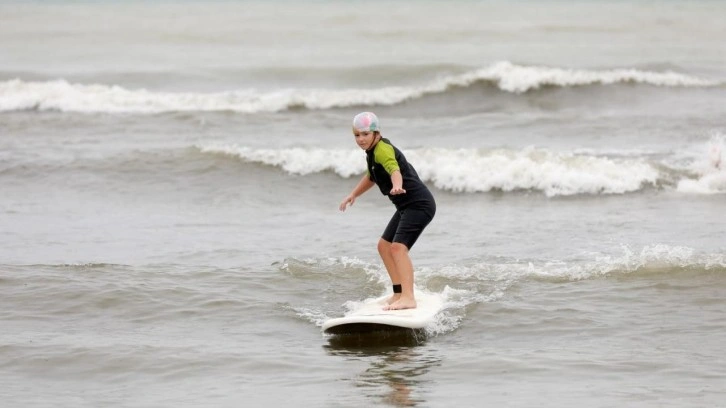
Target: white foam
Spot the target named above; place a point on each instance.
(299, 161)
(473, 170)
(64, 96)
(517, 78)
(555, 174)
(709, 168)
(316, 317)
(651, 258)
(68, 97)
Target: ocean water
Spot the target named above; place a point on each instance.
(170, 173)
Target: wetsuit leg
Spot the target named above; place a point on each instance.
(413, 220)
(390, 231)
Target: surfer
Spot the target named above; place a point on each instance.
(415, 205)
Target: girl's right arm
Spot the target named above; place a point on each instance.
(364, 185)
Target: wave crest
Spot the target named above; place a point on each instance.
(472, 170)
(709, 168)
(650, 260)
(505, 76)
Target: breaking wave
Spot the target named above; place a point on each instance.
(473, 170)
(61, 95)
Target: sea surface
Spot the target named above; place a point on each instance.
(170, 175)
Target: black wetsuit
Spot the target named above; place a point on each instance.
(414, 209)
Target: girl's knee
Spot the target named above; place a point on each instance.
(384, 246)
(398, 249)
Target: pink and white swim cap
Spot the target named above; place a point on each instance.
(366, 122)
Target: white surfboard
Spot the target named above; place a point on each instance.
(371, 317)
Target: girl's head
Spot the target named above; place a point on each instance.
(366, 121)
(366, 129)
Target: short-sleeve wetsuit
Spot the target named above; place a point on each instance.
(414, 209)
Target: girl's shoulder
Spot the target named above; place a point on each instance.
(385, 144)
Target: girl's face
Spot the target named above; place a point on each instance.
(364, 139)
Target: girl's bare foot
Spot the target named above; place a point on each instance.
(394, 298)
(402, 303)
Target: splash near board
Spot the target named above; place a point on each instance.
(370, 317)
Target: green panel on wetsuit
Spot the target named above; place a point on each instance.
(386, 156)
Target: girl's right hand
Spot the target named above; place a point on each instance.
(346, 202)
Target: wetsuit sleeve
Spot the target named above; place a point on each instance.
(386, 156)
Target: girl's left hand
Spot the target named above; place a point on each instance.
(397, 191)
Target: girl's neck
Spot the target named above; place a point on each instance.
(377, 138)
